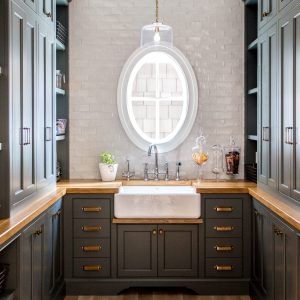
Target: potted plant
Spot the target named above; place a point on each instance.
(108, 167)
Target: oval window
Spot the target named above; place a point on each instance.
(157, 97)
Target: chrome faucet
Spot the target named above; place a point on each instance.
(178, 164)
(128, 174)
(156, 173)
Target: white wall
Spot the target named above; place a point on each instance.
(103, 34)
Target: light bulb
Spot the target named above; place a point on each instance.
(157, 37)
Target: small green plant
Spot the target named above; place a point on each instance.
(107, 158)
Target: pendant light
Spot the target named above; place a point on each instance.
(156, 33)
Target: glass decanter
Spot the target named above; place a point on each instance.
(200, 155)
(217, 160)
(232, 158)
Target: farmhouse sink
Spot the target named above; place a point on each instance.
(157, 202)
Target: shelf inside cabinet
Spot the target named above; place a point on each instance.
(60, 91)
(252, 91)
(252, 137)
(60, 137)
(62, 2)
(253, 45)
(60, 46)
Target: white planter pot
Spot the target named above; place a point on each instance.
(108, 172)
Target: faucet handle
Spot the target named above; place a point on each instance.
(178, 164)
(167, 171)
(146, 172)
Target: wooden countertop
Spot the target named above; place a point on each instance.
(26, 212)
(287, 210)
(223, 187)
(78, 186)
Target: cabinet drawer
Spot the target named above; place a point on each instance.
(91, 247)
(224, 208)
(91, 208)
(223, 247)
(224, 228)
(223, 267)
(91, 228)
(91, 267)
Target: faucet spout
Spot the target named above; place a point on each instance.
(154, 147)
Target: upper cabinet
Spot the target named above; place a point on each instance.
(289, 98)
(23, 94)
(266, 11)
(267, 107)
(47, 11)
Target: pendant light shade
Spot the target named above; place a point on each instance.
(156, 33)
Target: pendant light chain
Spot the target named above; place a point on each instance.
(156, 12)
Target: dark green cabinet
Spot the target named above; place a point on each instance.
(54, 219)
(47, 11)
(41, 256)
(46, 107)
(33, 261)
(157, 250)
(23, 46)
(267, 9)
(267, 107)
(289, 98)
(275, 269)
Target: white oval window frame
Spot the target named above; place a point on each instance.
(192, 109)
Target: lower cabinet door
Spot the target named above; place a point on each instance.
(137, 250)
(177, 250)
(33, 261)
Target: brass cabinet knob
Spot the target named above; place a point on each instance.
(48, 14)
(278, 231)
(58, 213)
(154, 232)
(265, 14)
(91, 268)
(38, 232)
(161, 231)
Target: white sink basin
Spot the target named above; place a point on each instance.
(157, 202)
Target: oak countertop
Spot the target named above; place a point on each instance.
(26, 212)
(287, 210)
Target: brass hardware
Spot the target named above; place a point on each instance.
(265, 14)
(161, 231)
(96, 248)
(278, 231)
(48, 14)
(38, 232)
(223, 248)
(91, 209)
(154, 232)
(223, 209)
(223, 228)
(223, 267)
(91, 228)
(256, 213)
(88, 268)
(58, 213)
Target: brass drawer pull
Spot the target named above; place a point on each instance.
(223, 228)
(92, 268)
(224, 209)
(91, 209)
(96, 248)
(91, 228)
(223, 248)
(223, 267)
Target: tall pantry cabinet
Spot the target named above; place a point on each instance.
(279, 97)
(27, 76)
